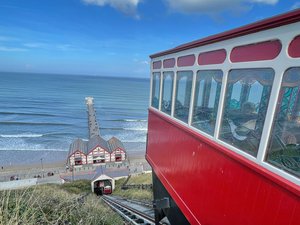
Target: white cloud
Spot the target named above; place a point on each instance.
(212, 6)
(129, 7)
(6, 38)
(34, 45)
(270, 2)
(296, 5)
(145, 62)
(9, 49)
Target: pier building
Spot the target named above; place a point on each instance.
(117, 148)
(98, 150)
(95, 151)
(77, 152)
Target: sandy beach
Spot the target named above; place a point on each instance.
(55, 164)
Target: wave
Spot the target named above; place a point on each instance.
(128, 120)
(133, 120)
(20, 135)
(32, 135)
(34, 123)
(140, 129)
(119, 128)
(37, 149)
(28, 114)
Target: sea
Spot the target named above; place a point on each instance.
(41, 114)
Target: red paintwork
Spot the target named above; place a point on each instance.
(294, 48)
(157, 65)
(213, 185)
(255, 52)
(212, 57)
(187, 60)
(107, 190)
(277, 21)
(169, 63)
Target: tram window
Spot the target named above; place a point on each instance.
(206, 100)
(284, 145)
(183, 95)
(246, 102)
(167, 92)
(155, 90)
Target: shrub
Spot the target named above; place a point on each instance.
(53, 205)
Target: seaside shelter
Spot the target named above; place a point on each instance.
(117, 150)
(77, 153)
(98, 151)
(103, 184)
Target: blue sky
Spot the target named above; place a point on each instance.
(113, 37)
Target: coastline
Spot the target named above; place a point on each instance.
(25, 164)
(32, 158)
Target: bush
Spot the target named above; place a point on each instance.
(137, 194)
(77, 187)
(53, 205)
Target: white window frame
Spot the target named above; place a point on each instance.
(280, 64)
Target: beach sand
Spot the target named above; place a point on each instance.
(28, 164)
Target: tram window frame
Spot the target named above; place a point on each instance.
(181, 109)
(204, 116)
(285, 132)
(154, 88)
(243, 121)
(166, 104)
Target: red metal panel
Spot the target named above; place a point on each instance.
(213, 185)
(277, 21)
(169, 63)
(255, 52)
(187, 60)
(294, 47)
(156, 65)
(212, 57)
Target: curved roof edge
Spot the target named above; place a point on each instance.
(272, 22)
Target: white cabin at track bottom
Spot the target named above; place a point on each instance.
(103, 184)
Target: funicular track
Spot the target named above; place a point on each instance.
(133, 212)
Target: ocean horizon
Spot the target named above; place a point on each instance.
(42, 114)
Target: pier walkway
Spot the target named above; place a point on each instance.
(92, 121)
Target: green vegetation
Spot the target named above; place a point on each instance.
(141, 179)
(138, 194)
(53, 204)
(77, 187)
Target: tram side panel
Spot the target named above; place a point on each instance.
(212, 185)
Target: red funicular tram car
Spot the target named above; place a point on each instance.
(224, 127)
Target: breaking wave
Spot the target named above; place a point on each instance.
(120, 128)
(33, 123)
(128, 120)
(21, 135)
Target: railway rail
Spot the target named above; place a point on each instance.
(134, 212)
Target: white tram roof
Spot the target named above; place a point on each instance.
(273, 22)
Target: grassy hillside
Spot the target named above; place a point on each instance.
(138, 194)
(53, 204)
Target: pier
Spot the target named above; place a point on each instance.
(95, 150)
(92, 121)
